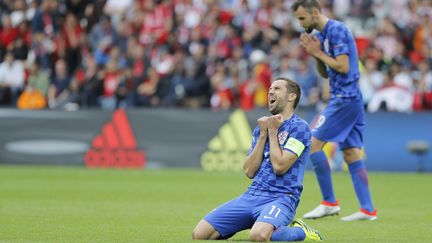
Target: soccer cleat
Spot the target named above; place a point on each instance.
(323, 210)
(311, 234)
(361, 215)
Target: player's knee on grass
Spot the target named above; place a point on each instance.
(204, 231)
(352, 154)
(261, 232)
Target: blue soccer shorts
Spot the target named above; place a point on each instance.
(342, 121)
(242, 212)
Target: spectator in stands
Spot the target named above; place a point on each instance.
(22, 43)
(307, 78)
(197, 87)
(204, 33)
(424, 77)
(7, 35)
(45, 19)
(38, 79)
(59, 93)
(117, 9)
(402, 77)
(370, 80)
(34, 95)
(11, 79)
(72, 38)
(177, 91)
(146, 90)
(124, 33)
(102, 37)
(91, 85)
(285, 68)
(239, 62)
(423, 87)
(261, 77)
(222, 95)
(111, 80)
(18, 12)
(157, 23)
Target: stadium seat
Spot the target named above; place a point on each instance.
(419, 148)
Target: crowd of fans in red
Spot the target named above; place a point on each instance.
(70, 54)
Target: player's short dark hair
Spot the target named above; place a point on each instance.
(292, 87)
(306, 4)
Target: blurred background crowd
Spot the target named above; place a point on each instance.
(74, 54)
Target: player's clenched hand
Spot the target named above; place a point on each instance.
(311, 44)
(274, 122)
(262, 123)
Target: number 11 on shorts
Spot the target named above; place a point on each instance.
(274, 209)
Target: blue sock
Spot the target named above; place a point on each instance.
(286, 233)
(360, 182)
(323, 173)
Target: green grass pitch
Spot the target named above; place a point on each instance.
(74, 204)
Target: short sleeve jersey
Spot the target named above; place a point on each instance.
(336, 39)
(294, 135)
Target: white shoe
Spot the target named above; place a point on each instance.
(360, 215)
(322, 211)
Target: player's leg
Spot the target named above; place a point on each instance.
(273, 219)
(226, 220)
(205, 231)
(261, 232)
(322, 170)
(353, 156)
(296, 231)
(359, 178)
(329, 205)
(334, 124)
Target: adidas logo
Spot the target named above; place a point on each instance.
(115, 146)
(227, 150)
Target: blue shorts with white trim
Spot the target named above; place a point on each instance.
(242, 212)
(342, 121)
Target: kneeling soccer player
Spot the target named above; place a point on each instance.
(276, 163)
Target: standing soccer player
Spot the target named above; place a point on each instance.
(342, 120)
(275, 162)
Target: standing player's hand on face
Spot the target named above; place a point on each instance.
(262, 123)
(274, 122)
(311, 44)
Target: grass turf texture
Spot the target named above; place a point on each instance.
(73, 204)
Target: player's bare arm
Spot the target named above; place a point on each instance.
(313, 47)
(281, 160)
(319, 64)
(321, 68)
(253, 161)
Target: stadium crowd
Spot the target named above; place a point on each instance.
(70, 54)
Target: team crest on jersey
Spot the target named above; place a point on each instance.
(282, 137)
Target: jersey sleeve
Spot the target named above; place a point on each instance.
(255, 135)
(298, 139)
(338, 40)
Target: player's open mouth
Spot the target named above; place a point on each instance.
(272, 100)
